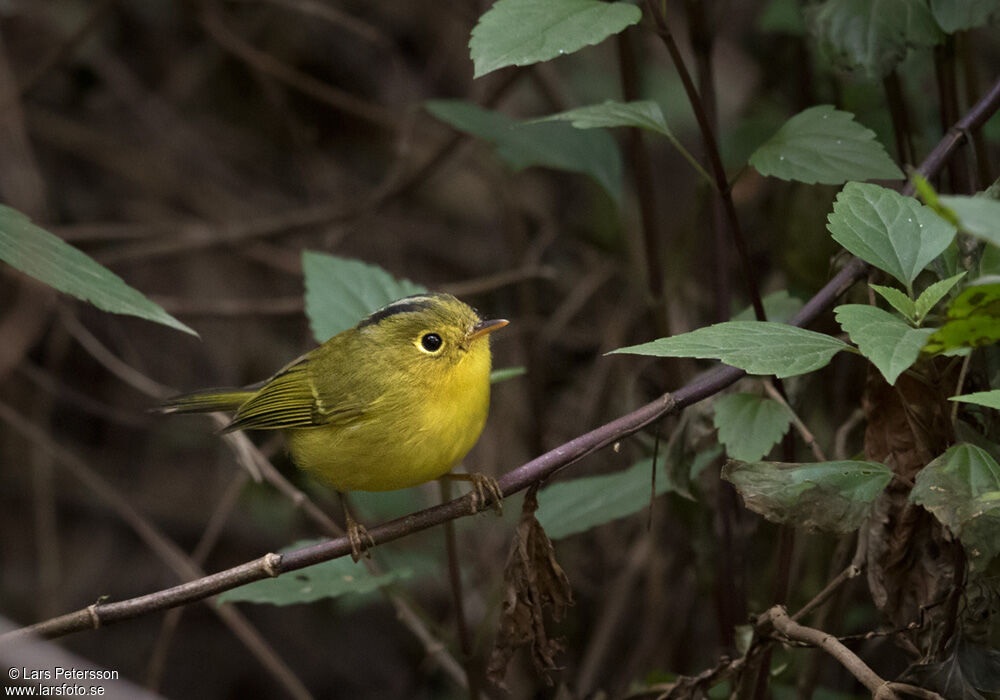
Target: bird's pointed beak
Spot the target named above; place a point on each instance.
(484, 327)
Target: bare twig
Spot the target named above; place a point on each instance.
(804, 432)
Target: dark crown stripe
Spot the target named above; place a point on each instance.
(403, 306)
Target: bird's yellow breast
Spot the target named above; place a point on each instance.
(417, 431)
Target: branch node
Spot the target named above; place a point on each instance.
(272, 564)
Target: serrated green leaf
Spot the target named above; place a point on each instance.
(962, 489)
(331, 579)
(756, 347)
(823, 144)
(894, 233)
(979, 216)
(779, 306)
(990, 399)
(552, 145)
(568, 507)
(890, 343)
(46, 257)
(956, 15)
(505, 373)
(522, 32)
(933, 294)
(750, 425)
(898, 300)
(973, 320)
(340, 292)
(830, 496)
(873, 35)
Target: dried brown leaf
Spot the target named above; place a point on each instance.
(533, 581)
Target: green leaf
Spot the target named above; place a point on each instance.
(46, 257)
(823, 144)
(894, 233)
(756, 347)
(568, 507)
(340, 292)
(553, 145)
(522, 32)
(973, 320)
(873, 35)
(933, 294)
(990, 399)
(749, 425)
(505, 373)
(962, 489)
(979, 216)
(890, 343)
(330, 579)
(644, 114)
(779, 306)
(899, 301)
(830, 496)
(955, 15)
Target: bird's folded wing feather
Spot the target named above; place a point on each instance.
(294, 399)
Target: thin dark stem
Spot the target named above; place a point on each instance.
(900, 118)
(944, 70)
(964, 42)
(458, 599)
(715, 160)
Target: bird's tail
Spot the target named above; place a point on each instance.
(206, 401)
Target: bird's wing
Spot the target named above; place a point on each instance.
(294, 398)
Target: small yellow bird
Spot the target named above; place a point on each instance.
(393, 402)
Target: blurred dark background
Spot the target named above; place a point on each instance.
(196, 148)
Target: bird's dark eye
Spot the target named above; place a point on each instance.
(431, 342)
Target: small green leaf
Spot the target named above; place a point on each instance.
(899, 301)
(505, 373)
(340, 292)
(749, 425)
(979, 216)
(873, 35)
(522, 32)
(46, 257)
(756, 347)
(962, 489)
(894, 233)
(644, 114)
(990, 399)
(330, 579)
(933, 294)
(890, 343)
(830, 496)
(956, 15)
(823, 144)
(552, 145)
(973, 320)
(568, 507)
(779, 306)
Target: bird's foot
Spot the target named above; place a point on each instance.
(485, 491)
(359, 537)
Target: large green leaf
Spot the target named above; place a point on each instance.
(823, 144)
(830, 496)
(894, 233)
(973, 320)
(754, 346)
(962, 489)
(522, 32)
(873, 35)
(331, 579)
(340, 292)
(980, 216)
(749, 425)
(888, 341)
(779, 306)
(955, 15)
(552, 145)
(46, 257)
(568, 507)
